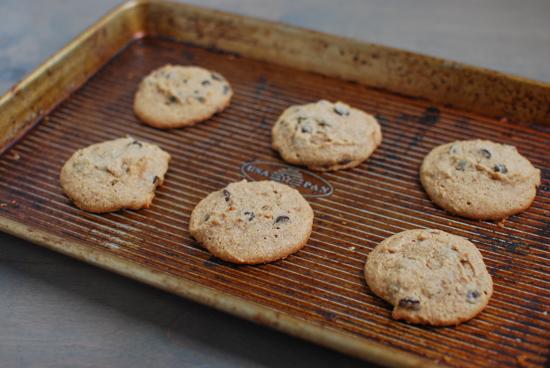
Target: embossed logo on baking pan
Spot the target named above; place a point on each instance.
(308, 183)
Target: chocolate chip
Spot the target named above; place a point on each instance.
(462, 164)
(341, 110)
(201, 99)
(156, 179)
(282, 219)
(250, 215)
(500, 168)
(303, 128)
(226, 195)
(137, 143)
(206, 82)
(322, 123)
(453, 150)
(472, 295)
(344, 161)
(485, 153)
(226, 89)
(216, 76)
(206, 218)
(172, 99)
(409, 303)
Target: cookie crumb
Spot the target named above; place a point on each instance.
(522, 360)
(14, 155)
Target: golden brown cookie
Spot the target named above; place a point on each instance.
(176, 96)
(479, 179)
(252, 222)
(117, 174)
(325, 136)
(430, 277)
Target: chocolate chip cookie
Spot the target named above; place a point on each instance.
(176, 96)
(479, 179)
(252, 222)
(117, 174)
(430, 277)
(325, 136)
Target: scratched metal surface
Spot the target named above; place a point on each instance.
(322, 283)
(504, 35)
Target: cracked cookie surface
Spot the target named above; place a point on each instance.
(430, 277)
(176, 96)
(325, 136)
(479, 179)
(112, 175)
(252, 222)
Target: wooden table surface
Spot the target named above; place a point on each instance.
(58, 312)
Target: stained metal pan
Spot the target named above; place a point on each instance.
(83, 95)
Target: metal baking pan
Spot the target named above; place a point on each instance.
(83, 95)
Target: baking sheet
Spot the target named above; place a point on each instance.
(321, 285)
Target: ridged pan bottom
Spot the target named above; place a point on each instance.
(322, 283)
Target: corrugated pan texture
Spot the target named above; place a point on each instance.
(322, 283)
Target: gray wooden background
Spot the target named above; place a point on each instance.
(57, 312)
